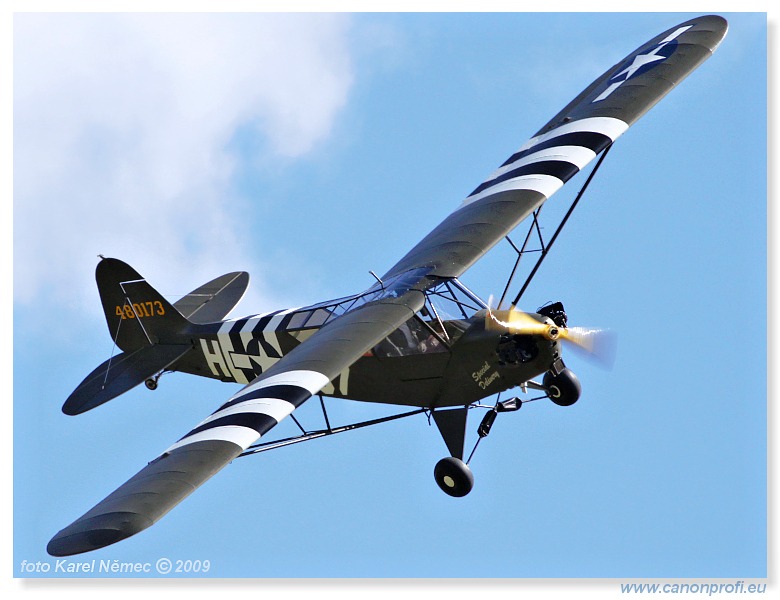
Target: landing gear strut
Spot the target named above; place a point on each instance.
(452, 474)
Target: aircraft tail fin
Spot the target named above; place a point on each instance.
(150, 331)
(138, 316)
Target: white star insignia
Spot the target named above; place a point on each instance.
(640, 61)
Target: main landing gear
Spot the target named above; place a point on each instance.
(452, 474)
(564, 388)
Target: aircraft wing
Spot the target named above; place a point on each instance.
(564, 146)
(244, 418)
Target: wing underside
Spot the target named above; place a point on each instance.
(238, 423)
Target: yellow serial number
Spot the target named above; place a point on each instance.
(140, 310)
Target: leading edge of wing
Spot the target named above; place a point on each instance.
(564, 146)
(242, 420)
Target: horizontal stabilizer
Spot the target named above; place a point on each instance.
(212, 301)
(120, 374)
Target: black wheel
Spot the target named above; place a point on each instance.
(151, 383)
(453, 476)
(563, 389)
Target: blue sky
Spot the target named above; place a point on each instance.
(311, 149)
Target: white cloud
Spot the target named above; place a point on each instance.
(121, 132)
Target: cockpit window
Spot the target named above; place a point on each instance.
(452, 300)
(444, 317)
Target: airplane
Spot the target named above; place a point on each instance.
(417, 338)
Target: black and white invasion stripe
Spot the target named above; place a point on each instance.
(549, 160)
(273, 321)
(257, 408)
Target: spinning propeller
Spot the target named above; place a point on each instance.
(595, 344)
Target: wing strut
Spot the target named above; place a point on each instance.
(313, 435)
(545, 248)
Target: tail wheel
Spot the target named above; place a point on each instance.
(564, 389)
(453, 476)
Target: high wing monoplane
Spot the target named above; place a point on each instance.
(418, 337)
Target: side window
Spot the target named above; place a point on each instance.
(298, 319)
(318, 317)
(309, 319)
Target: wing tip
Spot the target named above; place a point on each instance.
(95, 533)
(714, 24)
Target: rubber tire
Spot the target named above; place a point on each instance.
(563, 389)
(151, 384)
(453, 476)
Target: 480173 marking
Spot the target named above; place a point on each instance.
(140, 310)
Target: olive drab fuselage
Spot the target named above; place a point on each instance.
(413, 366)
